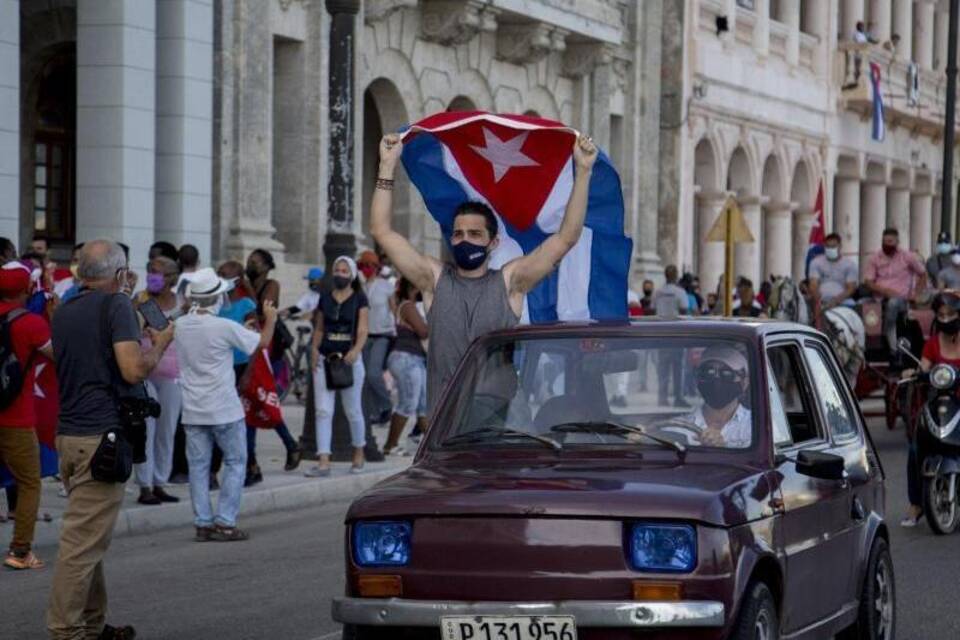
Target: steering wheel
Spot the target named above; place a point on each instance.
(669, 426)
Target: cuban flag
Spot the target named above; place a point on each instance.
(522, 167)
(817, 233)
(879, 130)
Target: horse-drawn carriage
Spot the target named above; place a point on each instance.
(859, 342)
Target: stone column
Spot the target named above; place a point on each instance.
(10, 119)
(116, 101)
(252, 124)
(921, 235)
(802, 223)
(880, 20)
(710, 264)
(747, 255)
(644, 91)
(761, 33)
(903, 27)
(340, 239)
(873, 217)
(790, 15)
(184, 122)
(851, 12)
(898, 212)
(940, 39)
(847, 215)
(923, 33)
(777, 232)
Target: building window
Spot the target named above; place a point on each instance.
(747, 4)
(54, 149)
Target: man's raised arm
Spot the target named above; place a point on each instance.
(419, 269)
(524, 273)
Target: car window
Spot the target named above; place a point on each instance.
(838, 415)
(791, 383)
(778, 416)
(697, 391)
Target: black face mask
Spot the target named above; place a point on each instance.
(647, 293)
(716, 392)
(316, 287)
(341, 282)
(252, 273)
(950, 327)
(469, 256)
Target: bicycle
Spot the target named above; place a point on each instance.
(297, 360)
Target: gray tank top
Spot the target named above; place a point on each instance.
(463, 309)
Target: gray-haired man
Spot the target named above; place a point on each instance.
(90, 369)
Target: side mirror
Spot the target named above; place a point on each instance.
(825, 466)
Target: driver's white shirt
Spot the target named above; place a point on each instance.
(737, 433)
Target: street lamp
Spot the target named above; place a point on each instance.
(946, 189)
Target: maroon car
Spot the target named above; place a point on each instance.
(668, 479)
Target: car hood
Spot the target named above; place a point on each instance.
(717, 494)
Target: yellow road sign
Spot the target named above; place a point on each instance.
(730, 229)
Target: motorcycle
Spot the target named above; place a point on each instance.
(938, 444)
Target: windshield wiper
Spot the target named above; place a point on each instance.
(485, 433)
(610, 426)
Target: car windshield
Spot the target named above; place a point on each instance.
(560, 392)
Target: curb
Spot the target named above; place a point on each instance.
(134, 521)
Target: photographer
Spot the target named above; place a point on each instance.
(212, 410)
(96, 343)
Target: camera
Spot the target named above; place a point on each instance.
(134, 411)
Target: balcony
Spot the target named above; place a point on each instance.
(921, 110)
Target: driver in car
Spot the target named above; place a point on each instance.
(722, 380)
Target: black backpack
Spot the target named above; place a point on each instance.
(12, 371)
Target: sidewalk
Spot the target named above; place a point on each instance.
(280, 490)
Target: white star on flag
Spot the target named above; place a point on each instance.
(504, 155)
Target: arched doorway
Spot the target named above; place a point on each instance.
(800, 195)
(461, 103)
(383, 112)
(53, 148)
(707, 257)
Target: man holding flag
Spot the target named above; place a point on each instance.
(474, 297)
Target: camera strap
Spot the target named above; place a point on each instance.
(106, 345)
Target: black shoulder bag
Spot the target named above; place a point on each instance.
(339, 372)
(113, 460)
(282, 338)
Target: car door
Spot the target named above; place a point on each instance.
(809, 532)
(848, 512)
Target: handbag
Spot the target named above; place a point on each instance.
(113, 459)
(338, 371)
(282, 338)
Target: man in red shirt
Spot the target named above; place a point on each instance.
(19, 450)
(896, 276)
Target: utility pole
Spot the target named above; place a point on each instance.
(946, 189)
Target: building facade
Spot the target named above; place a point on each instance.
(207, 121)
(769, 99)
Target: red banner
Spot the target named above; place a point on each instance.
(259, 395)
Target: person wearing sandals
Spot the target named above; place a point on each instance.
(212, 410)
(19, 450)
(339, 333)
(408, 366)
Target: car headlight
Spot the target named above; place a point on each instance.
(381, 544)
(942, 376)
(663, 547)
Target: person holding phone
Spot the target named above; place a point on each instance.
(158, 305)
(339, 333)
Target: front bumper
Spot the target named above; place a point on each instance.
(398, 612)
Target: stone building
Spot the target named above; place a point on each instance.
(207, 121)
(766, 99)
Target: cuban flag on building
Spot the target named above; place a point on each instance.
(879, 130)
(817, 234)
(522, 167)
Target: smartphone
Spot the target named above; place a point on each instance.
(153, 315)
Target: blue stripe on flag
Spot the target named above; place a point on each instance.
(611, 250)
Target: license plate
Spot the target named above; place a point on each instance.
(508, 628)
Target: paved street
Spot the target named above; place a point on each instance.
(279, 584)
